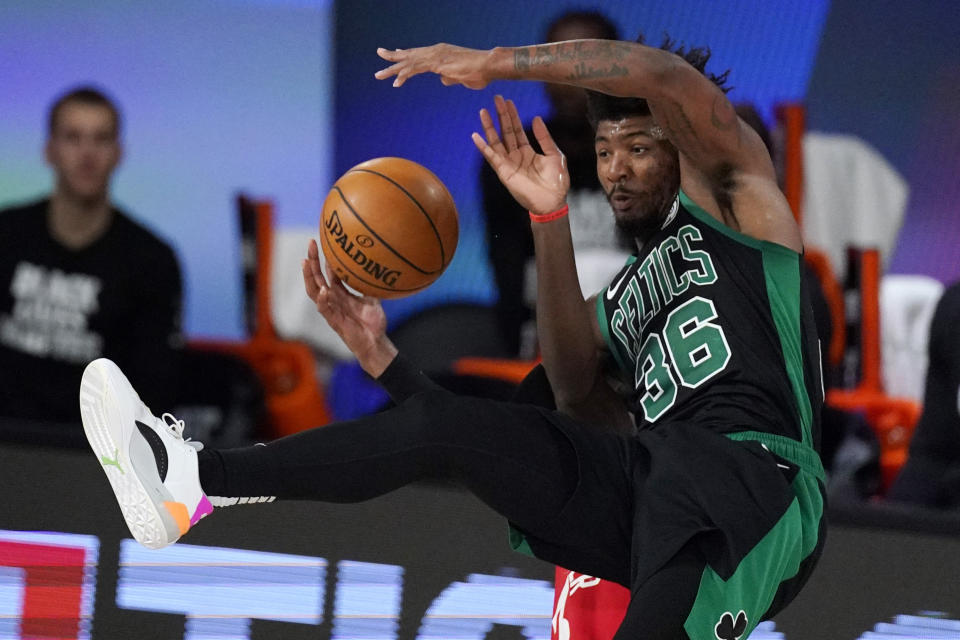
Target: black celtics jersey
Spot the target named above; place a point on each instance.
(714, 327)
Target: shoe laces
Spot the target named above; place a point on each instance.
(175, 427)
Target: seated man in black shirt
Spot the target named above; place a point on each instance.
(79, 279)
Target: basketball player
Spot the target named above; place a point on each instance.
(708, 502)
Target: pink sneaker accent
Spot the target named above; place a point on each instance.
(204, 508)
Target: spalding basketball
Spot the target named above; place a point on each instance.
(389, 227)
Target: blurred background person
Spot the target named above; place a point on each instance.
(931, 475)
(79, 279)
(600, 247)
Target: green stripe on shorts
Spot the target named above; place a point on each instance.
(716, 612)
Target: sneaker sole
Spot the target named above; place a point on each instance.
(109, 432)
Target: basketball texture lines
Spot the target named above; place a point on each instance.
(389, 227)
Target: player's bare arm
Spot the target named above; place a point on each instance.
(724, 166)
(567, 327)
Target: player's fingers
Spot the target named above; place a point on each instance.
(546, 141)
(339, 291)
(391, 54)
(392, 70)
(323, 303)
(313, 253)
(332, 279)
(480, 143)
(334, 301)
(322, 300)
(330, 311)
(500, 163)
(490, 131)
(317, 272)
(517, 125)
(491, 156)
(506, 124)
(313, 264)
(309, 283)
(313, 258)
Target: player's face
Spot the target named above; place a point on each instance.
(639, 171)
(83, 150)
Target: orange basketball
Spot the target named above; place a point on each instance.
(389, 227)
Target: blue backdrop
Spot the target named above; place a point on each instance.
(769, 46)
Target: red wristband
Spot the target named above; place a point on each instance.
(553, 215)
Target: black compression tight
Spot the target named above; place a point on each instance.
(509, 455)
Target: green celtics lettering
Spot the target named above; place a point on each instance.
(691, 348)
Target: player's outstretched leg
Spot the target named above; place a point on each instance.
(152, 469)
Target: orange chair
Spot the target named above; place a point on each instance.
(506, 369)
(833, 293)
(294, 397)
(792, 118)
(892, 419)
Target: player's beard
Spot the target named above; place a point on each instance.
(650, 206)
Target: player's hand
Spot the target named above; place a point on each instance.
(539, 182)
(454, 65)
(358, 320)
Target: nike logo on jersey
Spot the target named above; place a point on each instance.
(673, 212)
(612, 290)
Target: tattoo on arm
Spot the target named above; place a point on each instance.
(605, 53)
(677, 126)
(521, 59)
(583, 71)
(722, 115)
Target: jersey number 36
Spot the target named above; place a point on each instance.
(691, 348)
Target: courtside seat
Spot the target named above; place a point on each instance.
(893, 421)
(294, 395)
(506, 369)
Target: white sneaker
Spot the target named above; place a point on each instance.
(152, 470)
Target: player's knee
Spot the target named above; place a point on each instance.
(434, 412)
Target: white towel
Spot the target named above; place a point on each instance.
(907, 303)
(852, 196)
(294, 316)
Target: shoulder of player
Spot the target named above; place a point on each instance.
(747, 202)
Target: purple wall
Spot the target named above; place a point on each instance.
(889, 72)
